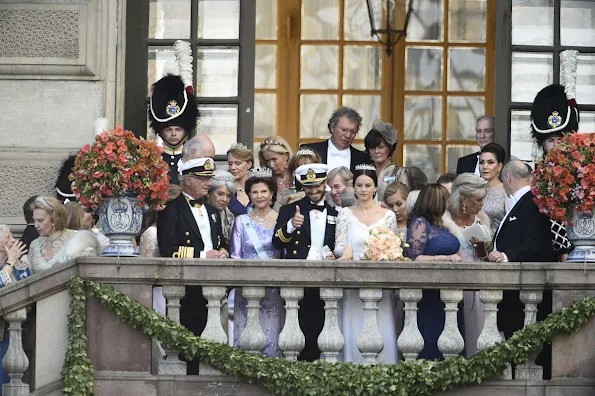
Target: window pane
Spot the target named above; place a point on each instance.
(218, 19)
(530, 73)
(423, 117)
(577, 22)
(265, 114)
(585, 80)
(265, 66)
(356, 23)
(319, 66)
(217, 71)
(367, 106)
(424, 69)
(320, 19)
(169, 19)
(220, 123)
(315, 111)
(521, 142)
(425, 157)
(362, 67)
(467, 68)
(467, 21)
(162, 60)
(266, 19)
(587, 123)
(532, 22)
(462, 112)
(453, 153)
(425, 23)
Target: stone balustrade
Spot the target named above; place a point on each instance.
(407, 280)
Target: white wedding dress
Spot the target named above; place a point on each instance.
(351, 232)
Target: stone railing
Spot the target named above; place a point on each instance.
(123, 357)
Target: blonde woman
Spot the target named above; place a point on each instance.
(275, 154)
(295, 192)
(240, 160)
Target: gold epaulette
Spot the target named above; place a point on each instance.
(279, 234)
(184, 252)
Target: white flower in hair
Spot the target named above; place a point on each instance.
(260, 172)
(365, 167)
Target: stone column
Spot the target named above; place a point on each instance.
(330, 340)
(171, 365)
(410, 342)
(490, 334)
(291, 338)
(252, 338)
(450, 342)
(530, 370)
(369, 341)
(213, 329)
(15, 362)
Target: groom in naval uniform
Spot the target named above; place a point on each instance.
(190, 228)
(303, 230)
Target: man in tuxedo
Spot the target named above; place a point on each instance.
(190, 228)
(337, 151)
(484, 134)
(303, 230)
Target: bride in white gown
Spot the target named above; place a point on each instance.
(353, 226)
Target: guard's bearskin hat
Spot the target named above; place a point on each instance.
(554, 111)
(63, 185)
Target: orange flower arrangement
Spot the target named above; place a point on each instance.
(565, 180)
(119, 163)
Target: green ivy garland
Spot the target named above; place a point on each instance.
(285, 377)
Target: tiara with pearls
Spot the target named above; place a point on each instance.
(365, 167)
(239, 146)
(260, 172)
(272, 143)
(224, 178)
(305, 152)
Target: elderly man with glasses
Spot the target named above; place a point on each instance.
(337, 151)
(484, 134)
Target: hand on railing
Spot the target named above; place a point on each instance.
(347, 253)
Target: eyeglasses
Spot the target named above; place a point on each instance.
(352, 131)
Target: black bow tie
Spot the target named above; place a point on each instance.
(313, 206)
(196, 203)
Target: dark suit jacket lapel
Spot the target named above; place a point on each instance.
(329, 231)
(515, 209)
(324, 151)
(188, 216)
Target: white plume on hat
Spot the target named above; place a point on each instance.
(568, 65)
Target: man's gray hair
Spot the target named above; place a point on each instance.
(517, 169)
(190, 147)
(348, 198)
(351, 114)
(488, 117)
(343, 172)
(466, 185)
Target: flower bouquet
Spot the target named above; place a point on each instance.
(120, 176)
(383, 245)
(564, 182)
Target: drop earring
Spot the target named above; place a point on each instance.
(464, 207)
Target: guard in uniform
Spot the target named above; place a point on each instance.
(306, 230)
(173, 110)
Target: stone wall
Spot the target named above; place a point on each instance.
(59, 69)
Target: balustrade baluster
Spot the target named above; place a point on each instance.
(490, 334)
(330, 340)
(171, 365)
(410, 342)
(291, 338)
(369, 341)
(213, 329)
(15, 361)
(450, 342)
(530, 370)
(252, 338)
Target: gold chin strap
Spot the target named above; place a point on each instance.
(167, 149)
(184, 252)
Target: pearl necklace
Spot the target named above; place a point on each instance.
(264, 218)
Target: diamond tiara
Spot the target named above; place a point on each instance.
(260, 172)
(305, 152)
(224, 178)
(272, 143)
(239, 146)
(365, 167)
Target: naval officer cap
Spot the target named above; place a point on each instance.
(311, 174)
(204, 167)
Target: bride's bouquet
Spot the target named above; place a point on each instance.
(383, 245)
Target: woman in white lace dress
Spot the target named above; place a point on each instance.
(353, 226)
(495, 203)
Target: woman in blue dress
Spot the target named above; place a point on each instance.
(239, 160)
(429, 240)
(251, 238)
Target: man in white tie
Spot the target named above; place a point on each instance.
(337, 151)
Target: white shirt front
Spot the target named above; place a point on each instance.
(336, 158)
(317, 231)
(515, 198)
(201, 216)
(477, 167)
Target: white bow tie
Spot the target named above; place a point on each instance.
(344, 153)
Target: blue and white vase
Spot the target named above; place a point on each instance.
(120, 219)
(582, 234)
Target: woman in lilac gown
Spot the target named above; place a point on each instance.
(251, 238)
(429, 240)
